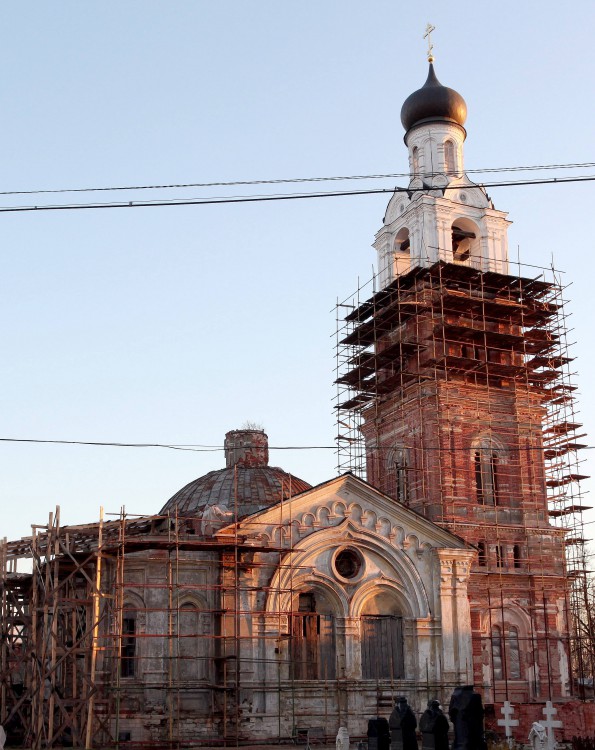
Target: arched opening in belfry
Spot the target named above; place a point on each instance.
(465, 243)
(402, 251)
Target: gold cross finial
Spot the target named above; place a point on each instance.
(428, 36)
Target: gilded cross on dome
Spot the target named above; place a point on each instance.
(428, 36)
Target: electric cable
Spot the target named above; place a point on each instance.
(290, 180)
(282, 196)
(199, 448)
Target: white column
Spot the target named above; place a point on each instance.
(449, 645)
(463, 615)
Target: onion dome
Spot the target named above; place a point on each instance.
(247, 484)
(433, 102)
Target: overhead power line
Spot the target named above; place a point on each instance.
(199, 448)
(275, 197)
(289, 180)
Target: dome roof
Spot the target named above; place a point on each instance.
(247, 484)
(256, 487)
(433, 101)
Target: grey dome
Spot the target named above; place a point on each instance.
(247, 484)
(432, 102)
(254, 487)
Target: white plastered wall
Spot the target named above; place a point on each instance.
(437, 199)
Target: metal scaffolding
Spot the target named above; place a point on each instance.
(156, 621)
(449, 342)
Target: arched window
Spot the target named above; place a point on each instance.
(128, 655)
(415, 161)
(486, 469)
(514, 655)
(516, 552)
(401, 470)
(449, 157)
(313, 641)
(506, 648)
(481, 554)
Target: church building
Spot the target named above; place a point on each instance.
(254, 607)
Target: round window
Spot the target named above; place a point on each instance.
(348, 563)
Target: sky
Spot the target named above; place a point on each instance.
(174, 325)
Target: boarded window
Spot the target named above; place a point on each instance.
(190, 642)
(382, 647)
(313, 642)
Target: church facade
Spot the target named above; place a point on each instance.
(254, 607)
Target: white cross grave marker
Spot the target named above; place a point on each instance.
(508, 722)
(550, 724)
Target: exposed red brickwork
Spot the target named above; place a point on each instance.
(246, 448)
(455, 430)
(577, 717)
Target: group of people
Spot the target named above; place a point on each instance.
(466, 714)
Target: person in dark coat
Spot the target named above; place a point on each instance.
(434, 727)
(403, 723)
(466, 713)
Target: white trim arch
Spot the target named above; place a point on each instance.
(313, 561)
(372, 589)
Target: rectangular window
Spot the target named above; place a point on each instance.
(128, 648)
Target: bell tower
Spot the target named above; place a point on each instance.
(443, 215)
(447, 371)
